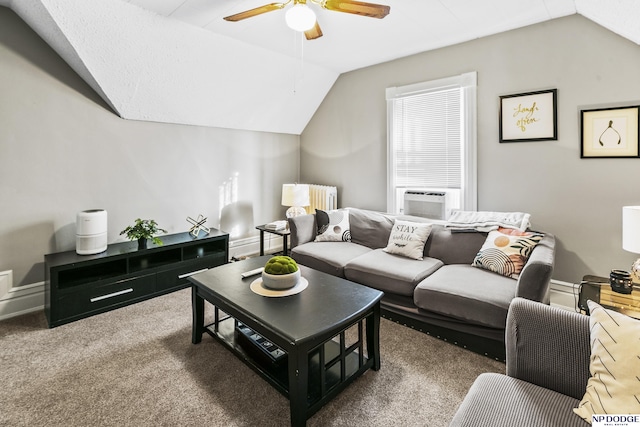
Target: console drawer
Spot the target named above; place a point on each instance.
(101, 297)
(79, 286)
(178, 276)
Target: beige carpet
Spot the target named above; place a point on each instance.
(137, 366)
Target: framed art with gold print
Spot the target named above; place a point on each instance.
(610, 133)
(531, 116)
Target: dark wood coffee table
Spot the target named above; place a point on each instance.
(309, 327)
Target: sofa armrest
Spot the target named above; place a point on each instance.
(303, 229)
(548, 346)
(535, 276)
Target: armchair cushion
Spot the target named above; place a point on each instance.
(547, 372)
(500, 401)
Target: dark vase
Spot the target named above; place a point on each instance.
(142, 243)
(620, 281)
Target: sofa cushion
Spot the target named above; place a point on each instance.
(370, 229)
(454, 247)
(333, 226)
(390, 273)
(467, 293)
(506, 254)
(328, 257)
(497, 400)
(614, 385)
(408, 238)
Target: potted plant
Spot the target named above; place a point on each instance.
(143, 230)
(280, 272)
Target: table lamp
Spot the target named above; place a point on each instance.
(295, 196)
(631, 234)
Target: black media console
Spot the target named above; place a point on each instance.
(79, 286)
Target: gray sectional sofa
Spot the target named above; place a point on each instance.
(442, 294)
(548, 353)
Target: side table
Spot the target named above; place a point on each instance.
(283, 232)
(598, 289)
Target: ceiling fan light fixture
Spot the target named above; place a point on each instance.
(300, 17)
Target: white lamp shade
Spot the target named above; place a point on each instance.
(295, 195)
(631, 229)
(300, 17)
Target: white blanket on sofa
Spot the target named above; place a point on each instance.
(487, 221)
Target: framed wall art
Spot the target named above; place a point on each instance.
(529, 116)
(610, 132)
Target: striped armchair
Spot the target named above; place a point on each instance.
(547, 371)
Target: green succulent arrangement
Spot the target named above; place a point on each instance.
(144, 229)
(280, 265)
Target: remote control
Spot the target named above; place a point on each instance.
(252, 272)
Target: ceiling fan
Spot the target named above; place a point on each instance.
(301, 18)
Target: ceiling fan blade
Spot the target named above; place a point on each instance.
(254, 12)
(371, 10)
(314, 32)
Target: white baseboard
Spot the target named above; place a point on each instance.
(21, 299)
(15, 301)
(564, 294)
(6, 282)
(251, 246)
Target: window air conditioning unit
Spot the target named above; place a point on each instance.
(427, 204)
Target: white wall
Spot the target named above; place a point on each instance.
(156, 68)
(578, 200)
(63, 150)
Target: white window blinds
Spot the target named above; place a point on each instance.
(431, 140)
(426, 139)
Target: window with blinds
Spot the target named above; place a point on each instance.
(427, 140)
(431, 139)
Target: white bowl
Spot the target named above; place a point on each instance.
(280, 281)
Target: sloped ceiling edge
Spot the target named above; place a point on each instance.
(191, 76)
(618, 16)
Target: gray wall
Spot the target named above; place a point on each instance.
(578, 200)
(63, 150)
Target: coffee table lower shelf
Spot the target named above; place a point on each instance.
(311, 328)
(323, 384)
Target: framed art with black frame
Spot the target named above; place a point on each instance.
(610, 133)
(531, 116)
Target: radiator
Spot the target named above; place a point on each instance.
(323, 197)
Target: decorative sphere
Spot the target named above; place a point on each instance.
(280, 265)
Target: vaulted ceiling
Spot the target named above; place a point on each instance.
(178, 61)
